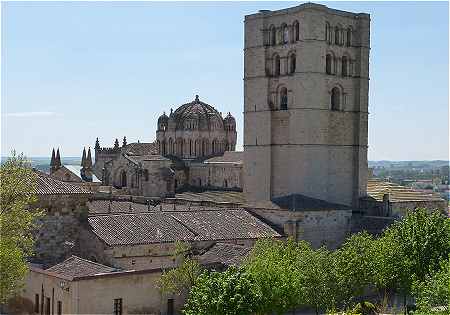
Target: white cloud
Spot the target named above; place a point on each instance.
(32, 114)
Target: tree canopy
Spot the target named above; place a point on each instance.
(17, 222)
(410, 257)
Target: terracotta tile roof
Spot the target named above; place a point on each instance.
(140, 149)
(224, 254)
(157, 227)
(232, 157)
(235, 197)
(97, 207)
(143, 228)
(152, 157)
(397, 193)
(224, 225)
(78, 267)
(46, 185)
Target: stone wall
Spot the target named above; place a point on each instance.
(59, 227)
(151, 178)
(216, 175)
(326, 227)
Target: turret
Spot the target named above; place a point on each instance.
(83, 158)
(229, 122)
(52, 162)
(116, 144)
(58, 159)
(88, 163)
(55, 162)
(124, 143)
(163, 122)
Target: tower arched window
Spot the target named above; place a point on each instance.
(349, 37)
(344, 65)
(296, 31)
(277, 65)
(285, 34)
(327, 33)
(292, 63)
(273, 35)
(283, 98)
(335, 99)
(328, 61)
(337, 34)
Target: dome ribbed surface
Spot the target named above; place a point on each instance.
(196, 110)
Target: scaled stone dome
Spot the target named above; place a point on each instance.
(197, 115)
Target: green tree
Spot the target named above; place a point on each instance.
(434, 292)
(17, 222)
(273, 265)
(315, 279)
(232, 292)
(179, 280)
(411, 249)
(353, 267)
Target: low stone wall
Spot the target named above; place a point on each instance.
(319, 227)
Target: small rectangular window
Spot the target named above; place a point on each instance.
(118, 306)
(36, 303)
(59, 308)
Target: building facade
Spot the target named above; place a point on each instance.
(306, 81)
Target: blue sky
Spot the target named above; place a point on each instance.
(74, 71)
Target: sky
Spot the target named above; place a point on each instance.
(74, 71)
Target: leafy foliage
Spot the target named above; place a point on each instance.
(180, 279)
(273, 265)
(434, 292)
(354, 267)
(316, 279)
(412, 248)
(17, 221)
(279, 276)
(232, 292)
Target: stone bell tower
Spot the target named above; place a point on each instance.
(306, 82)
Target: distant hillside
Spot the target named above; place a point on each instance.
(409, 164)
(43, 163)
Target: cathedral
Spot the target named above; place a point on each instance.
(303, 174)
(194, 150)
